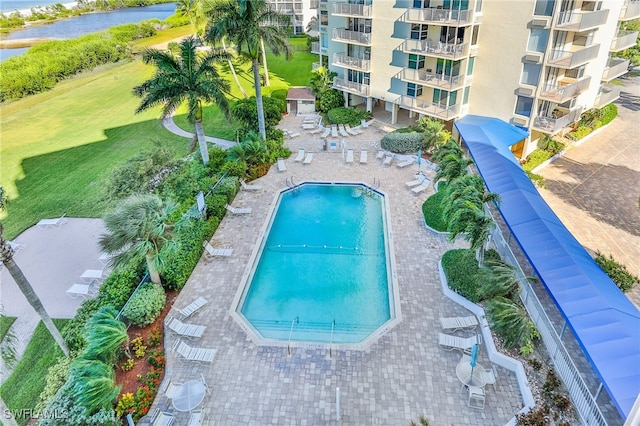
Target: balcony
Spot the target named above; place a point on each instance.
(314, 4)
(347, 36)
(615, 68)
(552, 125)
(565, 90)
(315, 47)
(351, 87)
(569, 60)
(439, 16)
(434, 110)
(630, 10)
(431, 79)
(435, 48)
(581, 21)
(348, 9)
(342, 60)
(607, 95)
(624, 40)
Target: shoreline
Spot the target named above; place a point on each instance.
(27, 12)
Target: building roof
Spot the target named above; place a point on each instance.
(300, 94)
(605, 323)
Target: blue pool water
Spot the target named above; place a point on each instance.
(323, 263)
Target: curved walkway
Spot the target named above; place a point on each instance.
(171, 126)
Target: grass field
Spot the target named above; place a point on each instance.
(22, 389)
(5, 324)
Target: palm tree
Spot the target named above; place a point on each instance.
(434, 131)
(139, 229)
(248, 23)
(93, 384)
(451, 167)
(6, 255)
(449, 147)
(105, 334)
(190, 77)
(9, 357)
(321, 80)
(500, 281)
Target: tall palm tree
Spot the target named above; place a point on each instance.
(247, 23)
(434, 131)
(449, 147)
(139, 229)
(451, 167)
(190, 77)
(321, 80)
(6, 255)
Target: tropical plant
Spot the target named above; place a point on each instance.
(330, 99)
(434, 132)
(93, 384)
(145, 305)
(449, 147)
(422, 421)
(500, 281)
(138, 229)
(452, 166)
(190, 77)
(618, 272)
(509, 320)
(248, 23)
(105, 334)
(321, 80)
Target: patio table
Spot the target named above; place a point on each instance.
(188, 396)
(464, 373)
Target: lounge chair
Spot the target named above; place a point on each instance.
(190, 331)
(294, 135)
(248, 187)
(325, 134)
(308, 158)
(79, 290)
(53, 223)
(300, 156)
(234, 210)
(363, 156)
(309, 125)
(282, 167)
(317, 130)
(342, 131)
(216, 252)
(424, 185)
(417, 181)
(334, 131)
(450, 342)
(349, 159)
(405, 163)
(387, 160)
(459, 323)
(192, 308)
(380, 155)
(352, 132)
(197, 355)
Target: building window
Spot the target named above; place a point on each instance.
(465, 96)
(530, 74)
(478, 6)
(524, 106)
(544, 7)
(474, 35)
(414, 90)
(472, 60)
(419, 32)
(538, 40)
(324, 17)
(416, 62)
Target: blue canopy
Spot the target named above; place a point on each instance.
(605, 323)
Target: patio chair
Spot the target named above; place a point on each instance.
(334, 131)
(308, 158)
(342, 130)
(171, 389)
(490, 376)
(349, 158)
(325, 134)
(352, 130)
(190, 331)
(405, 163)
(300, 156)
(317, 130)
(52, 223)
(234, 210)
(187, 353)
(192, 308)
(380, 155)
(387, 160)
(197, 418)
(248, 187)
(450, 342)
(423, 185)
(363, 156)
(476, 397)
(459, 323)
(161, 418)
(417, 181)
(204, 382)
(294, 135)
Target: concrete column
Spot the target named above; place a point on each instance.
(346, 98)
(394, 113)
(369, 104)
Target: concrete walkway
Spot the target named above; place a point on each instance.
(171, 126)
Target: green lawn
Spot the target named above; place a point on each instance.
(432, 209)
(5, 324)
(22, 389)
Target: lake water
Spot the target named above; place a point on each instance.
(89, 23)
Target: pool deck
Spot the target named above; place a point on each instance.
(400, 377)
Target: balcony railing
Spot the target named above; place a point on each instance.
(315, 65)
(351, 86)
(569, 60)
(315, 47)
(581, 21)
(314, 4)
(434, 110)
(439, 16)
(435, 48)
(348, 9)
(624, 40)
(607, 95)
(630, 10)
(554, 125)
(615, 68)
(342, 60)
(431, 79)
(348, 36)
(563, 92)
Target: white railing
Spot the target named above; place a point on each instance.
(567, 59)
(630, 10)
(314, 4)
(580, 21)
(315, 47)
(435, 48)
(431, 79)
(615, 68)
(351, 86)
(424, 107)
(361, 10)
(343, 34)
(553, 125)
(440, 16)
(624, 40)
(340, 59)
(560, 93)
(607, 95)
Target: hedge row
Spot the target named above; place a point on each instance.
(402, 142)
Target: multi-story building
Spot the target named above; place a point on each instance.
(537, 64)
(300, 12)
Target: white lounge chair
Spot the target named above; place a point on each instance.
(363, 156)
(317, 130)
(349, 158)
(325, 134)
(334, 131)
(237, 211)
(352, 132)
(80, 290)
(308, 158)
(459, 323)
(248, 187)
(216, 251)
(417, 181)
(342, 131)
(190, 331)
(196, 355)
(300, 156)
(450, 342)
(52, 223)
(405, 163)
(380, 155)
(282, 167)
(294, 135)
(192, 308)
(387, 160)
(424, 185)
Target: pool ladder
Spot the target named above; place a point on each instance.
(333, 326)
(295, 321)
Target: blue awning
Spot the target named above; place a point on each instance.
(605, 323)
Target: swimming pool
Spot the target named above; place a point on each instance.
(322, 272)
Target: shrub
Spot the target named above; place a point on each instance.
(509, 320)
(128, 364)
(609, 112)
(537, 179)
(536, 158)
(462, 272)
(350, 116)
(401, 142)
(117, 288)
(56, 377)
(245, 112)
(432, 209)
(155, 337)
(331, 99)
(579, 133)
(617, 272)
(145, 305)
(76, 414)
(138, 346)
(73, 333)
(548, 144)
(535, 417)
(156, 358)
(126, 405)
